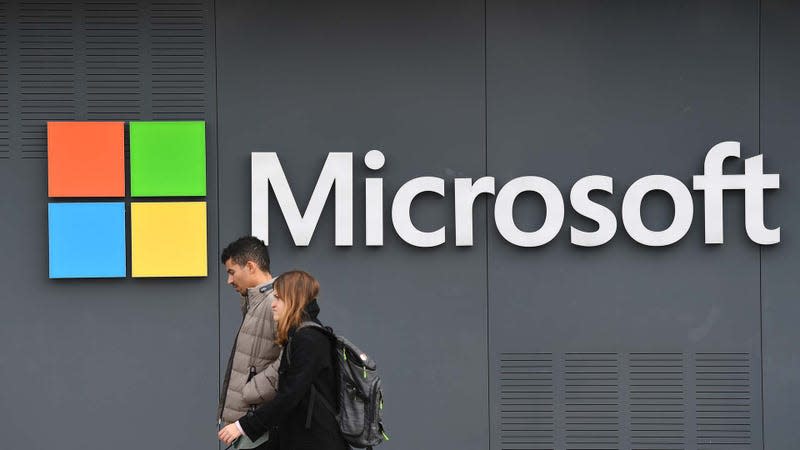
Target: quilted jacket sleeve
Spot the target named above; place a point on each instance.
(310, 354)
(263, 387)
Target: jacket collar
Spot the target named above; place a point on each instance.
(310, 314)
(311, 311)
(257, 294)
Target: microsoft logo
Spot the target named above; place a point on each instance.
(87, 239)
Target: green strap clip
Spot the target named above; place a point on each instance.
(384, 435)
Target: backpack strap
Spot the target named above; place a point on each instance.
(311, 399)
(326, 330)
(314, 394)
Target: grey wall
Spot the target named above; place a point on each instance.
(614, 346)
(621, 346)
(127, 363)
(307, 78)
(780, 97)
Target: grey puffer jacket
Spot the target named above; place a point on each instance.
(254, 346)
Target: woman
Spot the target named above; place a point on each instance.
(311, 363)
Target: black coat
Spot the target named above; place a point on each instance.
(311, 363)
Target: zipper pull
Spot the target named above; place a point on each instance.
(385, 437)
(365, 371)
(344, 354)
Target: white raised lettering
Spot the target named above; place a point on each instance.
(337, 173)
(632, 204)
(401, 212)
(579, 198)
(504, 211)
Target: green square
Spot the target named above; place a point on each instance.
(168, 159)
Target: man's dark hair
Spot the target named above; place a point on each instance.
(247, 248)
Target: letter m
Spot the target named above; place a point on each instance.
(266, 173)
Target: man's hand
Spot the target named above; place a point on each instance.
(229, 434)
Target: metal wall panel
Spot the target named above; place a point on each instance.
(620, 346)
(127, 363)
(5, 148)
(780, 114)
(624, 89)
(114, 59)
(306, 78)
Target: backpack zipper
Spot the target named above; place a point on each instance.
(371, 413)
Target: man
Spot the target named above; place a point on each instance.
(252, 374)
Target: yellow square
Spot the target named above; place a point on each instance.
(168, 239)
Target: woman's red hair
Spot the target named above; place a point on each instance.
(297, 289)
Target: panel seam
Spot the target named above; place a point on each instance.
(219, 203)
(486, 217)
(760, 248)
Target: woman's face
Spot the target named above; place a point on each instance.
(278, 307)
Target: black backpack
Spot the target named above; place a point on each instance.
(360, 399)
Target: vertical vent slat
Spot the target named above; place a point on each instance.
(113, 60)
(724, 400)
(101, 60)
(179, 79)
(5, 135)
(526, 401)
(657, 401)
(638, 400)
(592, 400)
(47, 89)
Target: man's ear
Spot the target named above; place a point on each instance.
(251, 267)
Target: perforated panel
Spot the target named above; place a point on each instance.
(592, 400)
(114, 80)
(5, 150)
(724, 401)
(178, 59)
(657, 399)
(637, 400)
(101, 60)
(47, 84)
(526, 401)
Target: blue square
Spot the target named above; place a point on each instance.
(87, 240)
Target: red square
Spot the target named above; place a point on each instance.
(86, 159)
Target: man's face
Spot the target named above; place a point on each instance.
(239, 276)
